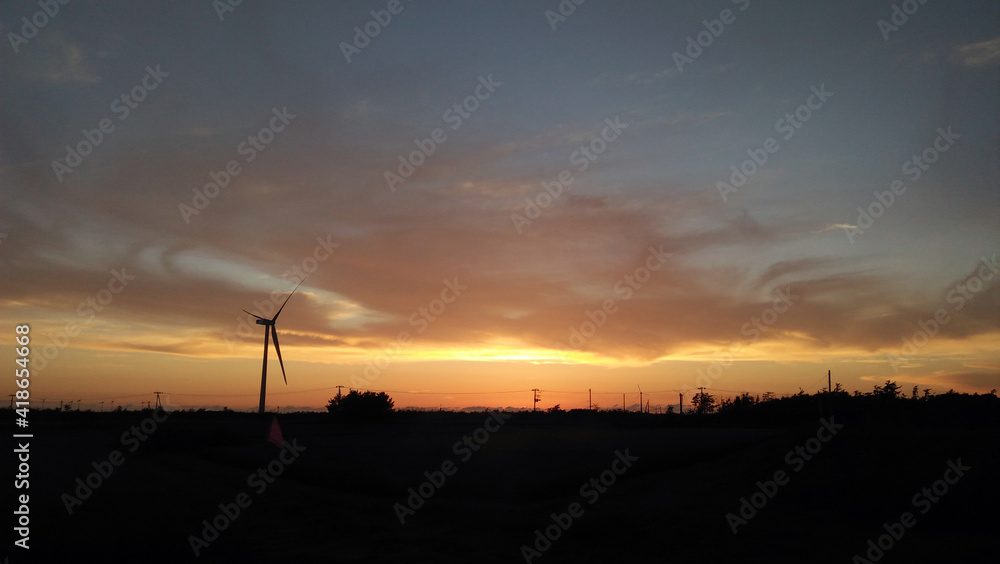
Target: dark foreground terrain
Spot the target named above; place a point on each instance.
(332, 495)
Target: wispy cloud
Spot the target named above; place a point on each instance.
(60, 61)
(984, 53)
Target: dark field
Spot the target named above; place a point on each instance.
(334, 501)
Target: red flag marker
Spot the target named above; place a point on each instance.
(274, 435)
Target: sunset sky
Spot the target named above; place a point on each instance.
(457, 275)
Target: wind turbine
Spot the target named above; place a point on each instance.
(274, 334)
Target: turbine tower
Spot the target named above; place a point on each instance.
(273, 333)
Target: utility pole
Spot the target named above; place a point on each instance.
(624, 409)
(535, 397)
(829, 394)
(338, 389)
(102, 406)
(158, 404)
(681, 400)
(590, 392)
(43, 403)
(640, 398)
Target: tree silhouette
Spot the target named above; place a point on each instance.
(741, 402)
(360, 405)
(889, 390)
(703, 403)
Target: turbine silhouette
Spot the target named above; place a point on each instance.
(274, 334)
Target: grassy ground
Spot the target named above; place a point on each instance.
(335, 501)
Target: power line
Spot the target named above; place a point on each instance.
(98, 398)
(455, 393)
(95, 399)
(814, 383)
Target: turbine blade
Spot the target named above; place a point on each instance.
(248, 313)
(275, 318)
(274, 335)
